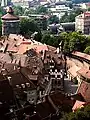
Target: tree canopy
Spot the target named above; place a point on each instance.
(41, 10)
(28, 26)
(87, 50)
(18, 10)
(74, 41)
(71, 16)
(80, 114)
(53, 19)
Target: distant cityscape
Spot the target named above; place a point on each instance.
(45, 60)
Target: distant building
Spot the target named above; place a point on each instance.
(10, 23)
(22, 3)
(4, 3)
(43, 2)
(69, 26)
(82, 23)
(41, 20)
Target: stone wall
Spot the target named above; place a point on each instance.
(10, 27)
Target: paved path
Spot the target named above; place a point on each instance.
(69, 86)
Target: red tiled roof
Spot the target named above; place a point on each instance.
(82, 55)
(84, 72)
(78, 104)
(84, 90)
(24, 47)
(5, 57)
(73, 70)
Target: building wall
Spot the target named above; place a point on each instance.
(32, 96)
(79, 24)
(57, 79)
(82, 24)
(10, 27)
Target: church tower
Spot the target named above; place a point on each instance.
(10, 23)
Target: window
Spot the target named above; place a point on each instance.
(53, 70)
(58, 70)
(51, 64)
(23, 85)
(28, 84)
(53, 76)
(58, 76)
(33, 100)
(18, 86)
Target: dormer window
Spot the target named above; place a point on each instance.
(28, 84)
(58, 76)
(17, 86)
(56, 70)
(35, 67)
(48, 56)
(23, 85)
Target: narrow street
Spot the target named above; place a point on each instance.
(69, 86)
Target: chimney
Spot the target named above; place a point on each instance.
(14, 67)
(57, 50)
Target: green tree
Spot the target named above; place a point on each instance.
(77, 42)
(80, 114)
(50, 40)
(53, 19)
(87, 50)
(71, 16)
(45, 38)
(28, 26)
(89, 9)
(41, 10)
(73, 42)
(29, 11)
(38, 36)
(18, 10)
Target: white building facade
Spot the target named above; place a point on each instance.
(82, 23)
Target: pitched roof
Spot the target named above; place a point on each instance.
(61, 99)
(84, 72)
(45, 109)
(73, 70)
(84, 89)
(82, 55)
(78, 104)
(24, 47)
(9, 16)
(5, 57)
